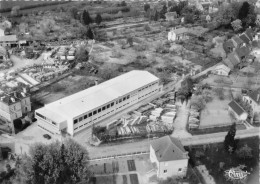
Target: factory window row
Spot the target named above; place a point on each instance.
(147, 86)
(93, 113)
(105, 107)
(43, 117)
(93, 120)
(148, 94)
(123, 99)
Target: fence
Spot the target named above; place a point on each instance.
(120, 155)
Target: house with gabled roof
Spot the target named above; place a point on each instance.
(245, 38)
(238, 111)
(237, 41)
(221, 69)
(170, 157)
(253, 99)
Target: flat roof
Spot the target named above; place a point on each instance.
(96, 96)
(8, 38)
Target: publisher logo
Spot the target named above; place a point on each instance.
(236, 174)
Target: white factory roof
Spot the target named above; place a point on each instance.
(96, 96)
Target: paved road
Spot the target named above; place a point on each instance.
(114, 149)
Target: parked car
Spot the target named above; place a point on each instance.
(46, 136)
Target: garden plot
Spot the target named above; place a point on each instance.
(115, 55)
(216, 113)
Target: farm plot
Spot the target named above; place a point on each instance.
(134, 179)
(131, 165)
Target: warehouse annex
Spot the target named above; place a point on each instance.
(83, 109)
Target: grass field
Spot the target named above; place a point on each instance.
(216, 112)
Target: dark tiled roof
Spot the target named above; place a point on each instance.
(250, 33)
(228, 63)
(253, 95)
(242, 51)
(233, 58)
(168, 148)
(237, 40)
(244, 38)
(236, 108)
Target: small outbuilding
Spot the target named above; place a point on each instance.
(237, 110)
(222, 70)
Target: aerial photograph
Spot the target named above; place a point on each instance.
(129, 91)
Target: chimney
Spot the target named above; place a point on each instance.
(96, 82)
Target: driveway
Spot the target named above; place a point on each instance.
(181, 121)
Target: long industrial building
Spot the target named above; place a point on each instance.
(83, 109)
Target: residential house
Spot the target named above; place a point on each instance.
(14, 105)
(238, 57)
(171, 16)
(232, 60)
(253, 98)
(239, 113)
(245, 38)
(242, 53)
(9, 40)
(170, 157)
(178, 34)
(221, 70)
(237, 41)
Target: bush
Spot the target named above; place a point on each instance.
(220, 93)
(147, 27)
(57, 88)
(140, 47)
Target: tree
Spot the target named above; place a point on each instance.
(146, 7)
(82, 54)
(123, 3)
(90, 33)
(98, 19)
(229, 142)
(227, 14)
(54, 163)
(130, 41)
(220, 93)
(198, 102)
(23, 27)
(156, 15)
(86, 19)
(237, 25)
(244, 10)
(15, 10)
(244, 152)
(163, 12)
(74, 12)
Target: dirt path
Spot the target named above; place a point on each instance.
(181, 121)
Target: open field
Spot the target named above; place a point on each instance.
(215, 113)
